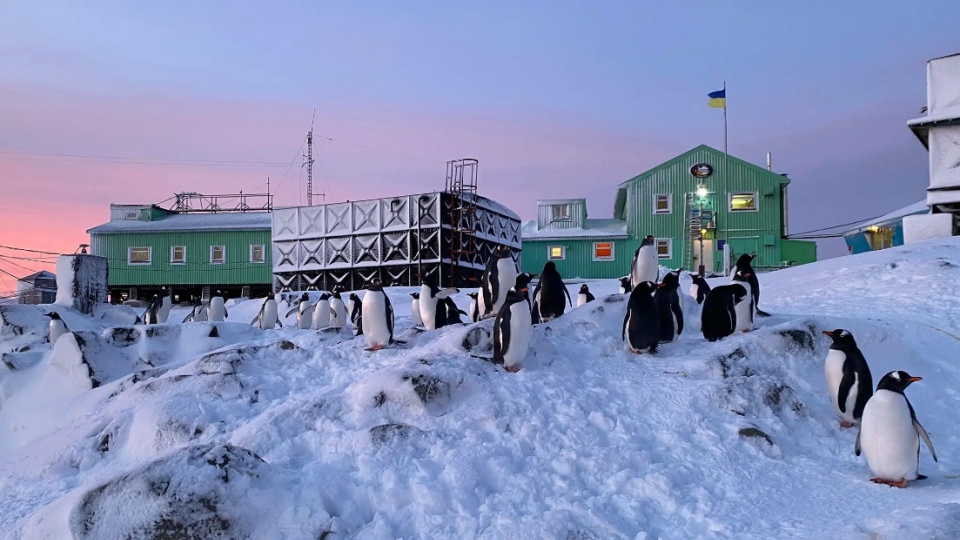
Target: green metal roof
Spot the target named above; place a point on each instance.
(703, 147)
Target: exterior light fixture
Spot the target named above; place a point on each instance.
(702, 190)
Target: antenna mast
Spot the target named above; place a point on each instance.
(310, 161)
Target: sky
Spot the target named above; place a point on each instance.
(555, 99)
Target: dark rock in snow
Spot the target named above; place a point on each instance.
(122, 336)
(755, 433)
(802, 339)
(479, 337)
(430, 389)
(386, 433)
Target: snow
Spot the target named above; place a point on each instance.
(602, 228)
(295, 434)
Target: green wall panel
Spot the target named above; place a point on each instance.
(579, 261)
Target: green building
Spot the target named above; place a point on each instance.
(693, 204)
(148, 247)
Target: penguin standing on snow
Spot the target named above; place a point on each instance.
(641, 324)
(377, 313)
(848, 378)
(217, 311)
(669, 310)
(645, 265)
(512, 330)
(304, 312)
(497, 279)
(548, 296)
(625, 286)
(415, 309)
(453, 311)
(321, 312)
(166, 303)
(338, 310)
(584, 295)
(890, 433)
(151, 315)
(198, 313)
(719, 315)
(431, 303)
(57, 327)
(474, 311)
(746, 308)
(355, 308)
(700, 288)
(268, 317)
(745, 269)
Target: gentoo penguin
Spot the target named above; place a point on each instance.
(719, 315)
(321, 312)
(584, 295)
(355, 308)
(377, 313)
(746, 308)
(669, 310)
(849, 382)
(166, 303)
(304, 312)
(453, 311)
(645, 266)
(641, 324)
(497, 278)
(57, 327)
(745, 269)
(338, 311)
(432, 311)
(198, 313)
(512, 330)
(548, 296)
(625, 286)
(700, 288)
(474, 312)
(267, 318)
(415, 309)
(151, 315)
(217, 311)
(889, 433)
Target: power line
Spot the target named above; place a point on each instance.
(19, 154)
(31, 250)
(286, 172)
(331, 139)
(797, 235)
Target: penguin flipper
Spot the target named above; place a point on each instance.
(225, 314)
(849, 376)
(309, 311)
(255, 319)
(389, 311)
(926, 439)
(279, 323)
(565, 290)
(856, 445)
(678, 314)
(762, 313)
(292, 311)
(447, 292)
(188, 317)
(503, 328)
(626, 317)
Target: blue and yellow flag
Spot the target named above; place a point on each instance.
(718, 99)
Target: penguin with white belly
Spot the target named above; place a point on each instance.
(641, 324)
(700, 288)
(745, 269)
(625, 286)
(166, 304)
(217, 310)
(321, 312)
(354, 308)
(338, 310)
(415, 309)
(890, 433)
(57, 327)
(669, 310)
(474, 311)
(431, 303)
(645, 265)
(849, 382)
(584, 295)
(304, 311)
(150, 315)
(747, 308)
(268, 317)
(498, 277)
(377, 313)
(512, 330)
(198, 313)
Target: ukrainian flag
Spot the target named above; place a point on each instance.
(718, 99)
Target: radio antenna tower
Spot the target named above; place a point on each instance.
(309, 162)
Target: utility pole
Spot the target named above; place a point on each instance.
(309, 162)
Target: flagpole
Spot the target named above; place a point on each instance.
(724, 117)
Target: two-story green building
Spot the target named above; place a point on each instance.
(694, 205)
(148, 247)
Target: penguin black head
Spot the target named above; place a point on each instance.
(428, 280)
(354, 297)
(53, 315)
(897, 381)
(549, 267)
(645, 287)
(671, 279)
(324, 295)
(744, 261)
(584, 289)
(841, 338)
(336, 294)
(415, 295)
(375, 286)
(698, 279)
(501, 252)
(523, 281)
(304, 297)
(270, 296)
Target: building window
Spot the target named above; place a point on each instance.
(561, 212)
(218, 254)
(662, 204)
(664, 248)
(131, 214)
(743, 202)
(178, 255)
(140, 255)
(256, 253)
(603, 251)
(556, 253)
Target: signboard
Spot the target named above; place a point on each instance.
(720, 244)
(701, 170)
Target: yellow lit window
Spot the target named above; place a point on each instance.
(557, 252)
(217, 254)
(743, 202)
(664, 248)
(139, 255)
(603, 251)
(178, 255)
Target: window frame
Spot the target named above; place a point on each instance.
(563, 252)
(223, 259)
(669, 197)
(756, 201)
(263, 253)
(149, 260)
(669, 242)
(613, 252)
(566, 210)
(173, 260)
(131, 215)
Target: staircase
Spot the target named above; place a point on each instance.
(699, 216)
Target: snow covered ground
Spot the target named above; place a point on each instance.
(183, 431)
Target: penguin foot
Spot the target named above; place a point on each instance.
(846, 425)
(512, 369)
(375, 348)
(902, 483)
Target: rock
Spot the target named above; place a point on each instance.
(756, 433)
(386, 433)
(431, 390)
(122, 336)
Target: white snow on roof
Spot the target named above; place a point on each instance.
(949, 113)
(191, 222)
(595, 228)
(919, 207)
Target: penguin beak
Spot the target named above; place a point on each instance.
(915, 379)
(828, 333)
(524, 289)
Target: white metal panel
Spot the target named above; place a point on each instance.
(311, 221)
(945, 160)
(284, 224)
(338, 219)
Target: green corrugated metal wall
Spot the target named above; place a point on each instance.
(579, 257)
(798, 251)
(236, 269)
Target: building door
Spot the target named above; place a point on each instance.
(739, 246)
(708, 255)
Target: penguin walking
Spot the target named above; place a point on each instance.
(151, 315)
(432, 308)
(548, 296)
(166, 303)
(474, 311)
(625, 286)
(718, 319)
(304, 311)
(321, 312)
(584, 295)
(512, 330)
(377, 313)
(453, 312)
(57, 327)
(355, 308)
(744, 268)
(669, 310)
(700, 288)
(217, 310)
(746, 308)
(498, 277)
(641, 324)
(198, 313)
(890, 433)
(849, 382)
(268, 317)
(338, 311)
(645, 265)
(415, 309)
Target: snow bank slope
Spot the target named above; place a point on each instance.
(290, 434)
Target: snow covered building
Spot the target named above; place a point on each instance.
(883, 232)
(37, 288)
(693, 204)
